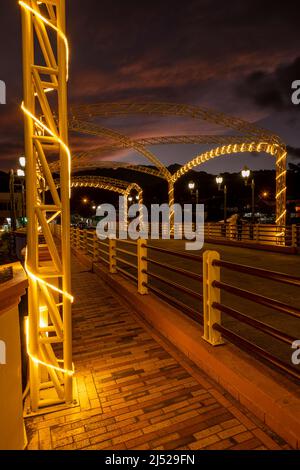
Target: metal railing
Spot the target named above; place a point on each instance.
(197, 290)
(264, 234)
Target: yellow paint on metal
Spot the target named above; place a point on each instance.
(49, 305)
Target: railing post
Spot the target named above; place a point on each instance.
(294, 235)
(112, 256)
(142, 266)
(211, 294)
(77, 239)
(257, 232)
(85, 247)
(95, 247)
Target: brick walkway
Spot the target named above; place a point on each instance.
(136, 391)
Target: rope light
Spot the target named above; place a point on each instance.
(36, 360)
(45, 283)
(51, 25)
(56, 137)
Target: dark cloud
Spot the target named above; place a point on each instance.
(196, 52)
(272, 89)
(293, 152)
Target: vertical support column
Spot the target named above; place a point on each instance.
(142, 266)
(171, 203)
(211, 294)
(31, 200)
(65, 196)
(112, 256)
(281, 156)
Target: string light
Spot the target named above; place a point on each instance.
(36, 360)
(56, 137)
(38, 279)
(51, 25)
(261, 146)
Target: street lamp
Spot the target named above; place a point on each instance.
(192, 186)
(22, 161)
(246, 174)
(219, 181)
(137, 197)
(130, 198)
(85, 200)
(94, 207)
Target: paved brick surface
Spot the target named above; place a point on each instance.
(136, 391)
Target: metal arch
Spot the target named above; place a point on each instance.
(279, 151)
(49, 304)
(192, 139)
(124, 141)
(81, 112)
(79, 163)
(102, 182)
(115, 185)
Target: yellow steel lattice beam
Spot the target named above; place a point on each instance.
(83, 112)
(45, 68)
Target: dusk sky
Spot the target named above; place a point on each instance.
(238, 57)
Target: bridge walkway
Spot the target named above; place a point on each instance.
(136, 391)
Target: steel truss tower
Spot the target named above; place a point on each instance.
(45, 69)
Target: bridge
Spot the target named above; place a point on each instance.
(140, 344)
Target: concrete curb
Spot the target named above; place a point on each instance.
(268, 395)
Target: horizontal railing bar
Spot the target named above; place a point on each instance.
(122, 260)
(175, 285)
(103, 243)
(179, 254)
(129, 242)
(103, 252)
(264, 273)
(174, 268)
(258, 351)
(130, 253)
(259, 299)
(126, 273)
(255, 323)
(189, 311)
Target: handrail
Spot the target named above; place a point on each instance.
(126, 273)
(259, 299)
(175, 269)
(130, 253)
(192, 313)
(258, 351)
(186, 290)
(180, 254)
(259, 325)
(259, 272)
(131, 265)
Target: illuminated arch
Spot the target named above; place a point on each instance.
(260, 138)
(278, 151)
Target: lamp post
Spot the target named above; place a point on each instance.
(192, 188)
(219, 181)
(21, 175)
(246, 174)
